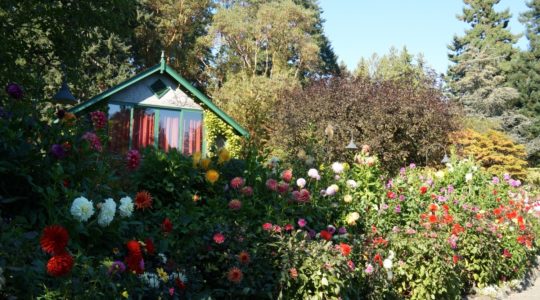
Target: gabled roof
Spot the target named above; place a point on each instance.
(162, 67)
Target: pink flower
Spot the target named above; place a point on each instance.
(95, 143)
(302, 222)
(369, 269)
(99, 119)
(247, 191)
(133, 159)
(235, 204)
(287, 175)
(277, 228)
(301, 196)
(283, 187)
(271, 184)
(288, 227)
(267, 226)
(219, 238)
(237, 183)
(351, 265)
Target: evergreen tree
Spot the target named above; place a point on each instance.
(481, 59)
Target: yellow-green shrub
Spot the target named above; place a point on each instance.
(494, 150)
(215, 127)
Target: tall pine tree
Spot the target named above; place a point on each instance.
(481, 59)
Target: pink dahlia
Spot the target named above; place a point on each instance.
(302, 196)
(287, 175)
(271, 184)
(237, 183)
(133, 158)
(93, 139)
(219, 238)
(99, 119)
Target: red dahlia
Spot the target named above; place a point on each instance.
(326, 235)
(60, 265)
(134, 248)
(54, 239)
(235, 275)
(345, 249)
(150, 248)
(166, 225)
(143, 200)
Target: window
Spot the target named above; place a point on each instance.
(192, 132)
(159, 88)
(143, 127)
(169, 130)
(119, 122)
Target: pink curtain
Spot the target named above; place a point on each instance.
(168, 130)
(143, 128)
(192, 134)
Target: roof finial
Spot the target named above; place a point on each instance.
(162, 62)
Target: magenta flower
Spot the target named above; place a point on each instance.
(267, 226)
(247, 191)
(283, 187)
(99, 119)
(218, 238)
(302, 196)
(95, 143)
(271, 184)
(302, 222)
(369, 269)
(237, 183)
(117, 267)
(133, 159)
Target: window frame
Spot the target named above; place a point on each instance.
(157, 109)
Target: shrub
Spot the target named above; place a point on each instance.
(494, 150)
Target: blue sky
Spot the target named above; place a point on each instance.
(358, 28)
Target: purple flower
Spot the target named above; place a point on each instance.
(495, 180)
(331, 229)
(369, 269)
(302, 222)
(514, 183)
(389, 184)
(412, 165)
(312, 233)
(342, 230)
(401, 197)
(429, 182)
(450, 189)
(117, 267)
(402, 171)
(58, 151)
(506, 176)
(14, 90)
(397, 209)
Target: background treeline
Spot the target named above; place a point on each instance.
(269, 65)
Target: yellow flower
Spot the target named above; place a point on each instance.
(347, 198)
(196, 158)
(352, 218)
(205, 163)
(223, 155)
(125, 294)
(212, 176)
(162, 274)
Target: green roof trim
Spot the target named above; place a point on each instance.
(162, 67)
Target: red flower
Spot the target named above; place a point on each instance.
(423, 190)
(456, 229)
(235, 275)
(377, 258)
(60, 264)
(135, 263)
(54, 239)
(507, 253)
(244, 258)
(433, 207)
(455, 259)
(180, 284)
(288, 227)
(445, 207)
(511, 215)
(390, 195)
(378, 241)
(345, 249)
(433, 219)
(150, 248)
(267, 226)
(497, 211)
(326, 235)
(167, 225)
(134, 248)
(286, 175)
(301, 196)
(448, 219)
(219, 238)
(143, 200)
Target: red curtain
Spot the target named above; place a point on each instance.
(143, 128)
(119, 128)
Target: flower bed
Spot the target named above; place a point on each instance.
(161, 224)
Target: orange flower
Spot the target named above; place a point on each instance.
(456, 229)
(433, 207)
(345, 249)
(244, 258)
(433, 219)
(143, 200)
(497, 211)
(511, 215)
(235, 275)
(212, 176)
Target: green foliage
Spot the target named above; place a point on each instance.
(494, 150)
(215, 130)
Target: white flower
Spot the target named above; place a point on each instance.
(387, 263)
(151, 279)
(392, 254)
(347, 198)
(337, 167)
(313, 173)
(468, 177)
(332, 190)
(126, 207)
(439, 174)
(178, 275)
(107, 212)
(82, 209)
(301, 182)
(352, 184)
(163, 258)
